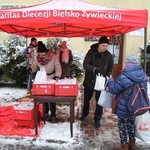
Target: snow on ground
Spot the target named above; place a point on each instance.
(58, 134)
(49, 132)
(8, 94)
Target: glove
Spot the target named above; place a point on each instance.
(55, 77)
(97, 70)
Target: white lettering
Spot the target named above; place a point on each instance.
(98, 14)
(9, 15)
(62, 13)
(33, 14)
(65, 13)
(24, 14)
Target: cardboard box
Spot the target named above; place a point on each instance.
(43, 89)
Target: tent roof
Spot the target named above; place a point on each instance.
(71, 18)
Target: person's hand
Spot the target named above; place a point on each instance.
(56, 78)
(97, 70)
(110, 76)
(107, 78)
(28, 55)
(107, 89)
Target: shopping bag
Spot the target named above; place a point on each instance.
(142, 127)
(106, 99)
(99, 83)
(41, 76)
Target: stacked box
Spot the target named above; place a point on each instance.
(25, 123)
(62, 87)
(5, 115)
(23, 114)
(66, 90)
(24, 117)
(66, 87)
(43, 89)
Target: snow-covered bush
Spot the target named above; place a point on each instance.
(77, 65)
(12, 63)
(53, 44)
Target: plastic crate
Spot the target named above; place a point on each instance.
(4, 119)
(25, 123)
(66, 90)
(43, 89)
(23, 114)
(5, 109)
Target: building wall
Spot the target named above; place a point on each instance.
(131, 42)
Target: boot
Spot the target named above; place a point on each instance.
(131, 145)
(123, 147)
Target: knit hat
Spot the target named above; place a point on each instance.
(131, 60)
(41, 47)
(63, 43)
(103, 39)
(33, 39)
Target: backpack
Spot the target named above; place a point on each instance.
(138, 103)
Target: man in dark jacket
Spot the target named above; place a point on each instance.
(97, 60)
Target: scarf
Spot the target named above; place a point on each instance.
(44, 60)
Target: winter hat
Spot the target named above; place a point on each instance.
(103, 39)
(33, 39)
(41, 47)
(63, 43)
(131, 60)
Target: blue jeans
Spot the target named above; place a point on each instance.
(31, 77)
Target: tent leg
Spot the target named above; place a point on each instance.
(145, 50)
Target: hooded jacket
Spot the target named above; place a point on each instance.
(124, 81)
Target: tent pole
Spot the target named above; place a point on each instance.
(26, 41)
(113, 38)
(145, 50)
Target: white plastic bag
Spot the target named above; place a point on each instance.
(143, 127)
(106, 99)
(41, 76)
(99, 83)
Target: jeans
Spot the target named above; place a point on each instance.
(87, 97)
(31, 77)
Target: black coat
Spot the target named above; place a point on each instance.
(93, 59)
